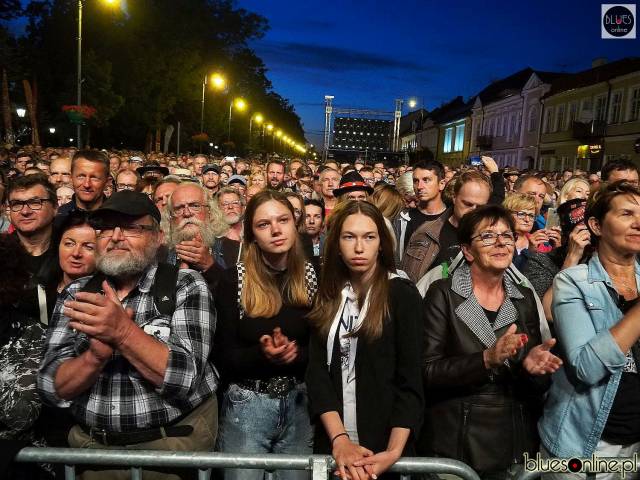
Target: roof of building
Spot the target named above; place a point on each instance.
(406, 121)
(452, 110)
(595, 75)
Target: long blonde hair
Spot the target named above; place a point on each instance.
(335, 274)
(261, 295)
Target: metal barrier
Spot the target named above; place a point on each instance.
(318, 465)
(587, 466)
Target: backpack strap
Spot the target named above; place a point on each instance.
(164, 288)
(94, 285)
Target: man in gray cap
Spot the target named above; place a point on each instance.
(127, 353)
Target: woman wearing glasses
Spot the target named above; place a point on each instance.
(484, 357)
(523, 212)
(594, 403)
(262, 339)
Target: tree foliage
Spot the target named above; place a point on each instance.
(143, 66)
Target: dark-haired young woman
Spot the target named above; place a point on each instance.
(262, 338)
(364, 358)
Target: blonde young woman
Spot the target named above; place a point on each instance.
(262, 338)
(364, 376)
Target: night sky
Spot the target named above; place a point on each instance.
(367, 53)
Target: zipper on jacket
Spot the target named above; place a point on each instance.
(466, 409)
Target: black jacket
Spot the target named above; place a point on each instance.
(484, 418)
(389, 389)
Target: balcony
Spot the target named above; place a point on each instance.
(588, 130)
(484, 142)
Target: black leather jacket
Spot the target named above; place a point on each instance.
(485, 418)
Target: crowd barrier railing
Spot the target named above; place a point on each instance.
(319, 466)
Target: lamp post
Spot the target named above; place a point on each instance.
(79, 67)
(219, 83)
(241, 105)
(258, 119)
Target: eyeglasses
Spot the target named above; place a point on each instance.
(130, 230)
(32, 203)
(194, 207)
(524, 215)
(490, 238)
(235, 203)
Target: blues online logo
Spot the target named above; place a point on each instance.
(618, 21)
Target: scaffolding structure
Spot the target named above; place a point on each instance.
(330, 112)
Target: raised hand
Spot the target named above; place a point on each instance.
(195, 253)
(540, 360)
(506, 347)
(100, 316)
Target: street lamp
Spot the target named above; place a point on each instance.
(258, 119)
(79, 72)
(21, 112)
(219, 83)
(240, 105)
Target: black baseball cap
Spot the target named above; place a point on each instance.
(212, 167)
(127, 202)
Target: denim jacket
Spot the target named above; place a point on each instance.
(583, 390)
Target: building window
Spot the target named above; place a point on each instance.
(459, 143)
(560, 118)
(548, 126)
(533, 119)
(634, 107)
(512, 127)
(573, 114)
(600, 113)
(448, 137)
(616, 108)
(587, 105)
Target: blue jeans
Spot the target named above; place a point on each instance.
(257, 423)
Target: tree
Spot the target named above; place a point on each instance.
(143, 68)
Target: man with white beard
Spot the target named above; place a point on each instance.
(133, 378)
(193, 227)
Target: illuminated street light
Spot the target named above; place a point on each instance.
(219, 83)
(412, 103)
(52, 130)
(21, 112)
(258, 118)
(240, 104)
(79, 67)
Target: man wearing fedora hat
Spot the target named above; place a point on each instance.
(353, 187)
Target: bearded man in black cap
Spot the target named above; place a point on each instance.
(128, 355)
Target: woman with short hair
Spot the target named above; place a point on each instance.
(484, 356)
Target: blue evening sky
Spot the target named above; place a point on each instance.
(367, 53)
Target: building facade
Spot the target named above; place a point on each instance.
(592, 117)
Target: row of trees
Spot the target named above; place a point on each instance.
(143, 65)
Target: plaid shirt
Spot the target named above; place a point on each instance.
(121, 399)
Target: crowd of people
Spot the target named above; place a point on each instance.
(369, 312)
